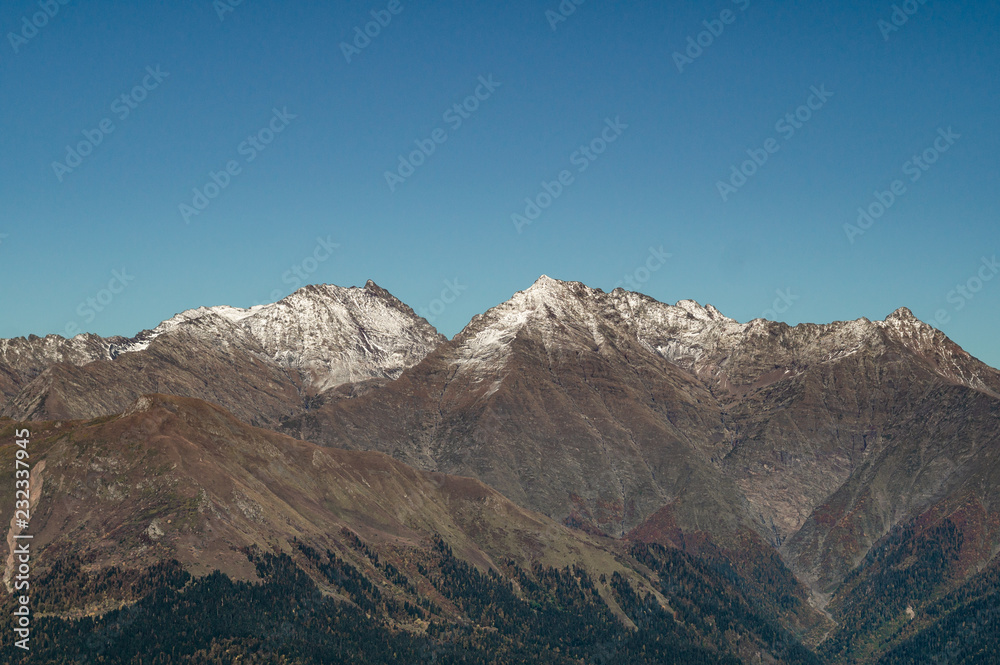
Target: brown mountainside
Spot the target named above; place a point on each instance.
(757, 445)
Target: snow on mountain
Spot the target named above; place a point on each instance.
(700, 339)
(24, 358)
(329, 334)
(339, 335)
(548, 305)
(332, 334)
(52, 348)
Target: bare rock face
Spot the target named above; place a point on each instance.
(22, 359)
(263, 363)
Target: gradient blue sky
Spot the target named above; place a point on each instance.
(656, 186)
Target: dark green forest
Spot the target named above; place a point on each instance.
(540, 615)
(316, 606)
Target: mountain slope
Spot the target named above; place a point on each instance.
(22, 359)
(554, 402)
(600, 409)
(125, 509)
(858, 457)
(180, 478)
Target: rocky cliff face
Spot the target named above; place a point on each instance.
(22, 359)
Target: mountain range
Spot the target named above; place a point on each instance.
(691, 488)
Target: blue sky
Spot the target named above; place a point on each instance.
(266, 91)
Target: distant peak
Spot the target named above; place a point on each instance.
(692, 307)
(703, 313)
(326, 291)
(902, 314)
(545, 280)
(715, 313)
(373, 289)
(547, 286)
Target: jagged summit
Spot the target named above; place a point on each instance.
(317, 338)
(699, 338)
(902, 314)
(760, 443)
(549, 286)
(705, 313)
(364, 296)
(335, 334)
(323, 335)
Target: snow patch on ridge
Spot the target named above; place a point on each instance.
(697, 338)
(331, 334)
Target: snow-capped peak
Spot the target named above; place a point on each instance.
(545, 282)
(331, 334)
(706, 313)
(696, 337)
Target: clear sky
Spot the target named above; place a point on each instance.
(115, 115)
